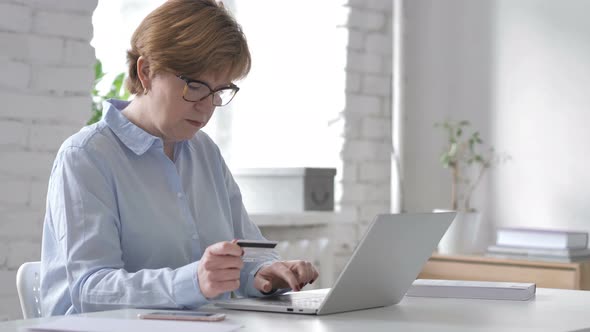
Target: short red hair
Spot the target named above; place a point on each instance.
(190, 37)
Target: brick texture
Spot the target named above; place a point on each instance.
(15, 17)
(367, 146)
(46, 63)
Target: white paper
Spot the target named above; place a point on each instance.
(472, 289)
(91, 324)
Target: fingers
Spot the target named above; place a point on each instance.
(304, 271)
(288, 276)
(214, 262)
(214, 282)
(219, 269)
(262, 284)
(316, 275)
(226, 249)
(227, 255)
(292, 274)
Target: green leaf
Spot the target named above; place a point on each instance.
(445, 160)
(118, 82)
(95, 117)
(117, 91)
(98, 73)
(453, 150)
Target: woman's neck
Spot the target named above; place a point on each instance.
(139, 114)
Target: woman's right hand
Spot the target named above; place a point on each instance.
(219, 269)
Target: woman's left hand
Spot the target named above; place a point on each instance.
(285, 274)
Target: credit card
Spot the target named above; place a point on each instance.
(254, 251)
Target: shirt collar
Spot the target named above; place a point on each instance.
(134, 138)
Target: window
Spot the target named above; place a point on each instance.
(114, 23)
(288, 110)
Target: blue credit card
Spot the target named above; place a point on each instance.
(254, 251)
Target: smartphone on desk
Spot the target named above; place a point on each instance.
(188, 316)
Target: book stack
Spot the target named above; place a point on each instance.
(540, 244)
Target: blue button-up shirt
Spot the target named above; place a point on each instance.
(126, 226)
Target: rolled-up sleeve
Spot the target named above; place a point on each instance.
(85, 216)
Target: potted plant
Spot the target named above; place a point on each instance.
(117, 91)
(468, 159)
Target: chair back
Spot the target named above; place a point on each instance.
(27, 285)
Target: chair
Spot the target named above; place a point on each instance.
(27, 285)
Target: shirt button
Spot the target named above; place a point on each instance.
(180, 195)
(195, 236)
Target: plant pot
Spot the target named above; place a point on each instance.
(462, 237)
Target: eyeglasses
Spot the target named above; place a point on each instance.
(195, 90)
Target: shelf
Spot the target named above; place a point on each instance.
(303, 219)
(545, 274)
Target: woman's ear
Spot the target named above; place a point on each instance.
(143, 73)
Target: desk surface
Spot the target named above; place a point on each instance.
(551, 310)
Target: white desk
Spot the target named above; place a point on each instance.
(551, 310)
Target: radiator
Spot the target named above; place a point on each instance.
(317, 251)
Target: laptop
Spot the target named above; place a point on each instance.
(380, 271)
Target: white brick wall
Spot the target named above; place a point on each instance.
(367, 146)
(31, 48)
(15, 75)
(357, 102)
(13, 133)
(60, 79)
(47, 108)
(56, 23)
(15, 17)
(366, 154)
(46, 63)
(14, 191)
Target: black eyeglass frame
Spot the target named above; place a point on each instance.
(189, 80)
